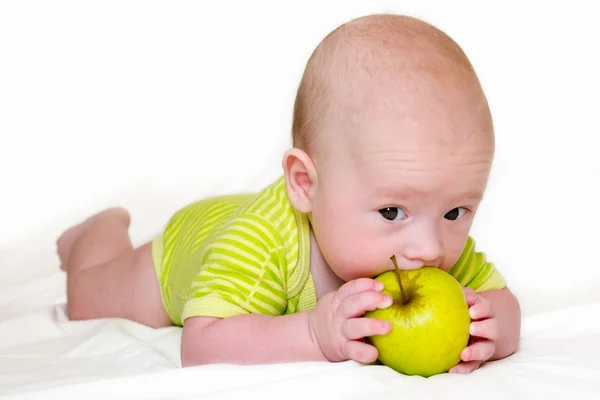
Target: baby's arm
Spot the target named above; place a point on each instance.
(507, 311)
(495, 312)
(495, 330)
(332, 331)
(245, 296)
(248, 339)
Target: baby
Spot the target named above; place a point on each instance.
(393, 144)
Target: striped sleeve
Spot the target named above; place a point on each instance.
(241, 272)
(472, 270)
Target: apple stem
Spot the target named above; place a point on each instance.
(402, 294)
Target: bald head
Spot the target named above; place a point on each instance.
(363, 62)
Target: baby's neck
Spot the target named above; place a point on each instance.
(324, 278)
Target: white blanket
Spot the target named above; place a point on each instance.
(84, 86)
(43, 355)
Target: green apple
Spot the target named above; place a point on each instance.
(430, 321)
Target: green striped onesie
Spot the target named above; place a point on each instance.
(250, 253)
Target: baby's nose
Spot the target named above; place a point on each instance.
(423, 252)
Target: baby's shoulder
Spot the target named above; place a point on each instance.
(266, 215)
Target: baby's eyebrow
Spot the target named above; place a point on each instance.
(400, 191)
(472, 195)
(404, 192)
(390, 190)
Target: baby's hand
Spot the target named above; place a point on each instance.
(484, 333)
(336, 324)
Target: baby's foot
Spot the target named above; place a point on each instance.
(67, 239)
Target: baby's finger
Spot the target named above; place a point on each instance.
(360, 351)
(488, 329)
(358, 286)
(358, 328)
(465, 367)
(356, 305)
(481, 309)
(482, 351)
(470, 295)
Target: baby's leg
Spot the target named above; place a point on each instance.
(67, 239)
(106, 276)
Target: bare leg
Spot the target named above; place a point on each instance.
(67, 239)
(106, 276)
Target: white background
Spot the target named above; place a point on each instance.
(153, 104)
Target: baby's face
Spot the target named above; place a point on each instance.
(408, 187)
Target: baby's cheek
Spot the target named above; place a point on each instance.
(451, 256)
(356, 248)
(366, 258)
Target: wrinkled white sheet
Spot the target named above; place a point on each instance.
(42, 354)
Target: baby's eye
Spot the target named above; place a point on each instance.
(392, 213)
(455, 213)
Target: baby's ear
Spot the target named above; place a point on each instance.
(300, 179)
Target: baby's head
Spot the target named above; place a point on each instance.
(393, 146)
